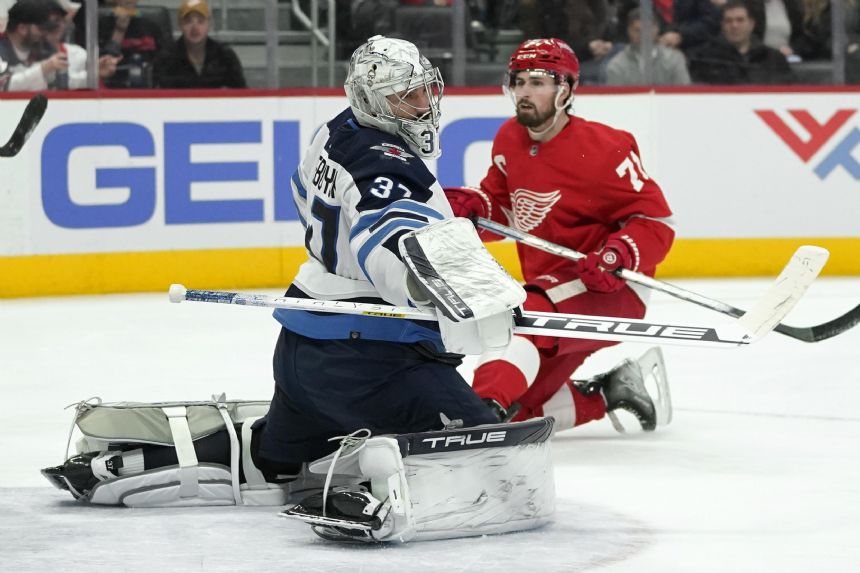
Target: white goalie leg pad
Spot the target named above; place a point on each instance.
(489, 479)
(482, 490)
(188, 484)
(472, 293)
(178, 424)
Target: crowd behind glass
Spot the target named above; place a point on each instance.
(170, 44)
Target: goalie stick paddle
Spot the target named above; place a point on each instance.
(815, 333)
(29, 120)
(770, 309)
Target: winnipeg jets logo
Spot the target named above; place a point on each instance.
(395, 151)
(531, 207)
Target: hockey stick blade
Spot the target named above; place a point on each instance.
(788, 288)
(29, 120)
(825, 330)
(537, 323)
(814, 333)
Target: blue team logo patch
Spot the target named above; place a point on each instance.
(395, 151)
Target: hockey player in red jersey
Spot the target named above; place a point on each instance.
(579, 184)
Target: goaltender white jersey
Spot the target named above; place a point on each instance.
(357, 191)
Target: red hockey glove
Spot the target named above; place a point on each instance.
(596, 270)
(466, 202)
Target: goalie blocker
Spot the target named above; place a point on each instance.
(449, 268)
(452, 483)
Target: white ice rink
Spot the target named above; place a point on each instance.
(759, 470)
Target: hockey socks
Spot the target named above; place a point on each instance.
(569, 407)
(505, 378)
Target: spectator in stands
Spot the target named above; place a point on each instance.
(778, 23)
(816, 37)
(29, 67)
(358, 20)
(684, 24)
(582, 24)
(738, 57)
(198, 61)
(55, 32)
(138, 40)
(627, 68)
(694, 22)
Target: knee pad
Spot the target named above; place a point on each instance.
(126, 425)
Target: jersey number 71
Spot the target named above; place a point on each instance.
(632, 167)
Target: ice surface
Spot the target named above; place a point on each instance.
(759, 470)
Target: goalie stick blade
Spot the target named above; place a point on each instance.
(29, 120)
(791, 284)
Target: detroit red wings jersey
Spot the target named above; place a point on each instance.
(576, 190)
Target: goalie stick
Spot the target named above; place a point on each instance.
(814, 333)
(29, 120)
(789, 287)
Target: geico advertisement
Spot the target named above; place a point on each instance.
(159, 174)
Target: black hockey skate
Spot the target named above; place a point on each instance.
(80, 474)
(350, 514)
(639, 387)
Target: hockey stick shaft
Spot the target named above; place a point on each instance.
(29, 120)
(805, 334)
(536, 323)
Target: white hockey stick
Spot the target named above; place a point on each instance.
(789, 287)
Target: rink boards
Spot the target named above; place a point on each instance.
(134, 192)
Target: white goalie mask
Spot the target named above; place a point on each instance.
(392, 87)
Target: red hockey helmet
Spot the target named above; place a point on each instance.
(549, 54)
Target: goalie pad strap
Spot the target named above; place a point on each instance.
(234, 448)
(176, 416)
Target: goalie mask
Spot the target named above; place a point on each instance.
(391, 87)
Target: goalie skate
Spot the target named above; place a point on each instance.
(349, 514)
(80, 474)
(639, 388)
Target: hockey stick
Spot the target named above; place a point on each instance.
(815, 333)
(798, 274)
(29, 120)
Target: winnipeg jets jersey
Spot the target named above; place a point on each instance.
(357, 191)
(579, 188)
